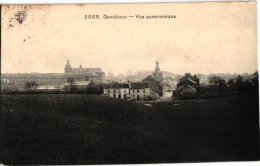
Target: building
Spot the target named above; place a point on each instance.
(56, 79)
(7, 85)
(116, 90)
(187, 86)
(88, 74)
(153, 84)
(157, 75)
(140, 91)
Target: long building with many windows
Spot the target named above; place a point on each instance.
(18, 80)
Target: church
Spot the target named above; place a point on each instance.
(85, 74)
(157, 74)
(56, 79)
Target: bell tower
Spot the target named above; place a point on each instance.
(157, 75)
(68, 68)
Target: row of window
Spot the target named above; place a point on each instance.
(120, 96)
(138, 97)
(119, 91)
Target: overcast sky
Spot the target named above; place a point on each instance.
(203, 38)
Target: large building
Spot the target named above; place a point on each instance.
(88, 74)
(55, 79)
(116, 90)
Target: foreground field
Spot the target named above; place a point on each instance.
(89, 129)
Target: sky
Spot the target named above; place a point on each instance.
(203, 38)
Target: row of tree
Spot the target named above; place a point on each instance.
(235, 84)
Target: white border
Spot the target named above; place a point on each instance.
(249, 163)
(109, 1)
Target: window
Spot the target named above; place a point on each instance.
(144, 90)
(114, 91)
(138, 91)
(108, 91)
(124, 91)
(114, 95)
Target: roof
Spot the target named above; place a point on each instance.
(149, 79)
(68, 64)
(186, 86)
(115, 85)
(139, 85)
(84, 70)
(188, 79)
(189, 76)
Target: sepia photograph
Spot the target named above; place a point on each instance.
(142, 83)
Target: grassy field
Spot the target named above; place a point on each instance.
(89, 129)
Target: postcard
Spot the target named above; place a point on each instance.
(129, 83)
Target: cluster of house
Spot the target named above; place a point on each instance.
(92, 80)
(147, 89)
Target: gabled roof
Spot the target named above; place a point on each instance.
(188, 79)
(186, 86)
(149, 79)
(139, 85)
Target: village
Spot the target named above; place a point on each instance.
(146, 87)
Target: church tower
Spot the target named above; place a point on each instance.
(157, 75)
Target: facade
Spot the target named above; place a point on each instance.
(157, 75)
(134, 91)
(116, 90)
(187, 87)
(55, 79)
(6, 85)
(88, 74)
(153, 84)
(140, 91)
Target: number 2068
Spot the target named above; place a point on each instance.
(91, 16)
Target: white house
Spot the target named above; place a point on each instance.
(116, 90)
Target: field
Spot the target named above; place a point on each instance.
(90, 129)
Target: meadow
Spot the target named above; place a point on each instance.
(92, 129)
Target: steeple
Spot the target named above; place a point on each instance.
(157, 68)
(157, 75)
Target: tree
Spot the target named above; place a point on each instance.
(214, 80)
(30, 86)
(239, 82)
(255, 79)
(71, 83)
(221, 83)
